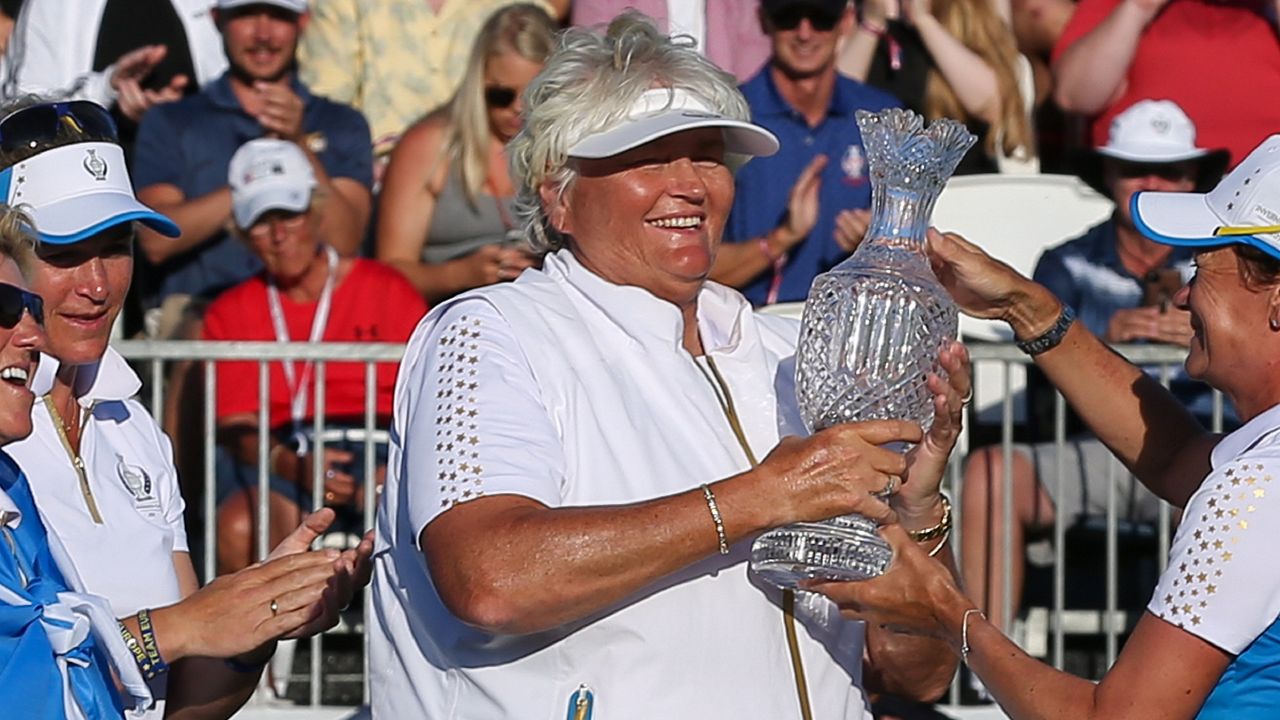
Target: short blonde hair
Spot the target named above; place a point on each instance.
(587, 86)
(18, 238)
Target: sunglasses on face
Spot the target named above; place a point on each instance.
(498, 97)
(39, 124)
(1172, 172)
(821, 19)
(13, 300)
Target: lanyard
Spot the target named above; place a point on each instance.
(298, 383)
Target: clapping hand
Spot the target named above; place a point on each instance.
(127, 77)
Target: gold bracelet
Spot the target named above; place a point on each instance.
(964, 632)
(715, 517)
(938, 548)
(943, 526)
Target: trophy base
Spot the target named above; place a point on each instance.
(842, 548)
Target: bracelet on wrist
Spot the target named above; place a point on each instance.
(149, 646)
(245, 668)
(767, 250)
(1050, 338)
(942, 528)
(710, 497)
(139, 655)
(872, 28)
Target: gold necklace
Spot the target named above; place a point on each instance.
(85, 490)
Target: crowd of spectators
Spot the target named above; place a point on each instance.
(336, 167)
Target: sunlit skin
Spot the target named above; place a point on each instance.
(615, 210)
(83, 285)
(260, 41)
(1226, 315)
(20, 348)
(508, 70)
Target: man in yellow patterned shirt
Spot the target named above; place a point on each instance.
(394, 60)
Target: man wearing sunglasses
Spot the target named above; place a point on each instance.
(184, 149)
(793, 215)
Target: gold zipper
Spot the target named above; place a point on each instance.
(76, 462)
(788, 596)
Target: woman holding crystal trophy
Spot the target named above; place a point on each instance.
(581, 459)
(1208, 645)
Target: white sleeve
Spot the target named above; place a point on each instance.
(474, 423)
(1222, 583)
(40, 60)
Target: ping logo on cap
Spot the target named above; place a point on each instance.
(95, 165)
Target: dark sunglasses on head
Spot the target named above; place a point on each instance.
(38, 124)
(789, 17)
(499, 97)
(13, 300)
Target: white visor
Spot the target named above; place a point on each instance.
(664, 111)
(76, 191)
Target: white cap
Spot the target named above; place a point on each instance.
(664, 111)
(1243, 208)
(297, 6)
(1153, 131)
(268, 174)
(76, 191)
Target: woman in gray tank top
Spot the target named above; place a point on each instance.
(446, 214)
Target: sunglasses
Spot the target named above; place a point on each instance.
(499, 97)
(1172, 172)
(821, 19)
(13, 300)
(32, 126)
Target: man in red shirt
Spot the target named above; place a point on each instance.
(1218, 59)
(306, 293)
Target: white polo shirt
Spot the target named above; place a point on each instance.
(567, 389)
(125, 554)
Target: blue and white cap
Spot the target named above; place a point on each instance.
(1244, 208)
(76, 191)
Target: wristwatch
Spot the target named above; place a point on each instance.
(1050, 338)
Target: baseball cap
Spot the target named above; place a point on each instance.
(76, 191)
(663, 111)
(834, 6)
(269, 174)
(1153, 131)
(297, 6)
(1243, 208)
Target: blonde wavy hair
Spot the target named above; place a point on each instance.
(523, 29)
(18, 238)
(977, 25)
(589, 85)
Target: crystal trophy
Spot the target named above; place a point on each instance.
(871, 331)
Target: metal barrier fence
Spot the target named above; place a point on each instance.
(1110, 623)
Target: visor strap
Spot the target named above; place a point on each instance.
(1237, 230)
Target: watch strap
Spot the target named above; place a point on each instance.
(1050, 338)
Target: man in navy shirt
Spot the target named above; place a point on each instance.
(184, 149)
(793, 216)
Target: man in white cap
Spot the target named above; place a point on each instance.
(1119, 284)
(184, 148)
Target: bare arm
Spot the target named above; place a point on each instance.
(1137, 418)
(510, 565)
(1162, 672)
(1091, 73)
(972, 79)
(858, 44)
(199, 219)
(344, 214)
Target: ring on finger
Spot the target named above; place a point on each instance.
(967, 396)
(887, 491)
(275, 607)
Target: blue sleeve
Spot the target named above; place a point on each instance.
(157, 151)
(349, 149)
(1052, 273)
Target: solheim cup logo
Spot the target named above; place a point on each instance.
(95, 166)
